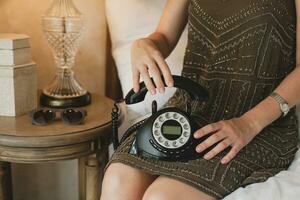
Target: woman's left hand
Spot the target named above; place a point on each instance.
(236, 132)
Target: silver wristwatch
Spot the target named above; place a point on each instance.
(284, 106)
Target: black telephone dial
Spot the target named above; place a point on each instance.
(168, 133)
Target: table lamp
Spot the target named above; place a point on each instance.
(63, 26)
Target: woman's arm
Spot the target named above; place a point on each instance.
(171, 25)
(148, 54)
(268, 110)
(238, 132)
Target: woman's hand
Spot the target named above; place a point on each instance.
(148, 61)
(236, 132)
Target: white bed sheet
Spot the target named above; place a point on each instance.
(132, 19)
(283, 186)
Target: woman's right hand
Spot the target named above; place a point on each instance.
(148, 61)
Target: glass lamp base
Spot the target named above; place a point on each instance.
(52, 102)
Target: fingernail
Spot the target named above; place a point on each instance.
(223, 161)
(153, 92)
(161, 90)
(198, 149)
(206, 157)
(170, 84)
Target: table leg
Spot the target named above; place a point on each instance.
(5, 181)
(91, 173)
(82, 177)
(103, 158)
(93, 178)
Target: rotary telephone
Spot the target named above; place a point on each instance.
(168, 133)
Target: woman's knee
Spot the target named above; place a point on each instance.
(157, 195)
(168, 189)
(161, 194)
(114, 176)
(158, 191)
(124, 181)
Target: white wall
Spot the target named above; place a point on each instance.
(46, 181)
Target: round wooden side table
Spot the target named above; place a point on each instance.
(22, 142)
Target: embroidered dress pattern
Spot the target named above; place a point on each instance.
(240, 51)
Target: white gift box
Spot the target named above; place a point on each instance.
(18, 89)
(9, 41)
(15, 56)
(14, 49)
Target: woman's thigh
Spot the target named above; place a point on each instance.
(125, 182)
(164, 188)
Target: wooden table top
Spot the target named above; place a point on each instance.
(20, 132)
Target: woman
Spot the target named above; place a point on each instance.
(242, 52)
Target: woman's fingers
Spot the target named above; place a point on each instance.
(235, 133)
(148, 82)
(211, 140)
(164, 69)
(217, 149)
(232, 153)
(207, 129)
(156, 75)
(136, 80)
(145, 71)
(146, 58)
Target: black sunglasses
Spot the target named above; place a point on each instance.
(42, 117)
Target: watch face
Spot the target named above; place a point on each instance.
(285, 108)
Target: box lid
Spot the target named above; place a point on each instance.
(14, 41)
(18, 70)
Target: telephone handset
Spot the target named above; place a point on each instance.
(168, 133)
(196, 91)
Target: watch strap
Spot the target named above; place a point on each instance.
(280, 100)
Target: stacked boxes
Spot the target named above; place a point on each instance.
(18, 76)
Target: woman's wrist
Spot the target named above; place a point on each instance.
(251, 120)
(161, 43)
(262, 114)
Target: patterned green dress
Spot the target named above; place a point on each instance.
(240, 50)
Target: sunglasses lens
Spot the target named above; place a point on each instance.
(43, 117)
(73, 116)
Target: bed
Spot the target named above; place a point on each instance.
(132, 19)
